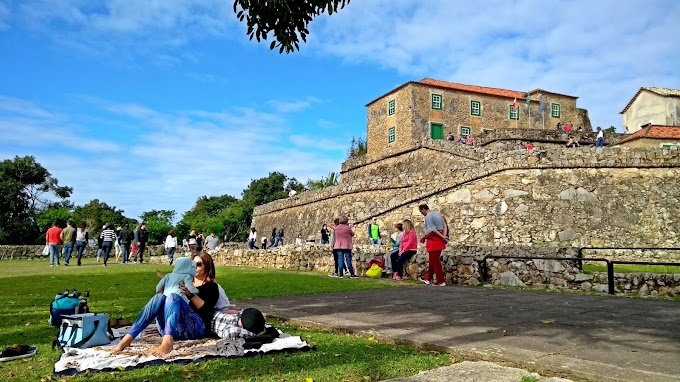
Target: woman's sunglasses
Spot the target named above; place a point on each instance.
(199, 264)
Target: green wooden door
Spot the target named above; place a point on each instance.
(436, 131)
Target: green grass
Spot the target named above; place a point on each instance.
(28, 287)
(630, 268)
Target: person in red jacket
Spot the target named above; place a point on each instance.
(435, 241)
(407, 248)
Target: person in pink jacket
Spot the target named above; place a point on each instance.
(407, 248)
(343, 245)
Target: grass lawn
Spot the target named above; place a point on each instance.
(631, 268)
(28, 287)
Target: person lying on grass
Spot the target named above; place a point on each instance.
(175, 318)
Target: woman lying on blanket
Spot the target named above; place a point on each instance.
(175, 318)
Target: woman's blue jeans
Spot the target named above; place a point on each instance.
(345, 258)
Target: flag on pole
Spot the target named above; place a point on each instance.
(542, 107)
(528, 99)
(514, 104)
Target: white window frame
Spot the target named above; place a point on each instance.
(468, 128)
(391, 107)
(513, 113)
(479, 110)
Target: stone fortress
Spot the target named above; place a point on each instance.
(495, 194)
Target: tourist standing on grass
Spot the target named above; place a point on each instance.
(324, 234)
(126, 238)
(335, 251)
(212, 241)
(108, 236)
(142, 237)
(177, 319)
(600, 137)
(82, 238)
(99, 244)
(252, 238)
(171, 245)
(68, 237)
(116, 244)
(435, 241)
(53, 241)
(343, 243)
(407, 248)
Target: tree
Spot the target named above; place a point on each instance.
(265, 190)
(329, 181)
(95, 214)
(24, 184)
(158, 223)
(286, 19)
(357, 148)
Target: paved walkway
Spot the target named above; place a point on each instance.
(598, 338)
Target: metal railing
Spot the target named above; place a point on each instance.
(578, 260)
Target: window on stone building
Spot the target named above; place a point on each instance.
(464, 131)
(475, 108)
(555, 110)
(391, 134)
(437, 101)
(391, 107)
(513, 113)
(668, 145)
(436, 130)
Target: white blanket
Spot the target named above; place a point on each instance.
(99, 358)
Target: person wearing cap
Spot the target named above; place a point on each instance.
(231, 325)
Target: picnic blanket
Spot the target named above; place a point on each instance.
(99, 358)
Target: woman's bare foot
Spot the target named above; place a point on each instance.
(164, 348)
(124, 342)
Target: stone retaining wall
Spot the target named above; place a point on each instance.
(462, 265)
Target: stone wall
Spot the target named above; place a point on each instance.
(577, 197)
(34, 252)
(462, 265)
(545, 136)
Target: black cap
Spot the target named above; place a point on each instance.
(252, 320)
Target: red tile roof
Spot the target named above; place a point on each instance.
(664, 92)
(654, 132)
(474, 89)
(504, 93)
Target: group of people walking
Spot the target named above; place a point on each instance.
(122, 241)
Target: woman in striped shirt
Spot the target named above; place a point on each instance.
(108, 236)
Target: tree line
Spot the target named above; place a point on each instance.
(31, 199)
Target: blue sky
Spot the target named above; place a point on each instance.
(152, 104)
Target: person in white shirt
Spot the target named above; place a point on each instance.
(298, 240)
(252, 237)
(171, 245)
(292, 192)
(600, 137)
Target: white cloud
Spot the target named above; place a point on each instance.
(4, 16)
(319, 143)
(287, 106)
(600, 51)
(167, 162)
(125, 29)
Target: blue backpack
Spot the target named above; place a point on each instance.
(66, 304)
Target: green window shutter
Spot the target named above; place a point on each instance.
(513, 113)
(391, 107)
(391, 134)
(475, 108)
(436, 131)
(464, 131)
(437, 101)
(555, 110)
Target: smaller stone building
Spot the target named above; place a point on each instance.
(402, 118)
(652, 106)
(653, 136)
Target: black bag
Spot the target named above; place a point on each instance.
(66, 304)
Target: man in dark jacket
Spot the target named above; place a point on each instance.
(142, 237)
(125, 238)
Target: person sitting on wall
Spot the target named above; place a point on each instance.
(462, 139)
(470, 141)
(450, 137)
(559, 126)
